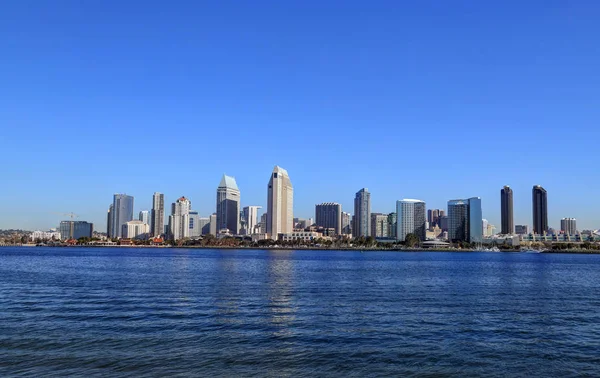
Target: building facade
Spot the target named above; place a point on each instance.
(362, 214)
(122, 212)
(109, 222)
(506, 211)
(157, 214)
(346, 224)
(213, 224)
(329, 215)
(540, 210)
(194, 225)
(521, 229)
(179, 220)
(228, 205)
(568, 226)
(393, 225)
(411, 219)
(144, 216)
(252, 220)
(465, 220)
(136, 229)
(75, 229)
(280, 203)
(379, 225)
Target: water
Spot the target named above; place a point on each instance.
(177, 312)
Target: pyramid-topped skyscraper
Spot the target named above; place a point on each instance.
(228, 205)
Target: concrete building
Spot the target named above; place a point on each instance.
(76, 229)
(568, 226)
(179, 220)
(506, 211)
(228, 205)
(144, 216)
(109, 222)
(393, 225)
(136, 229)
(251, 216)
(213, 224)
(540, 210)
(522, 229)
(379, 225)
(465, 221)
(122, 212)
(484, 226)
(346, 224)
(433, 217)
(52, 234)
(362, 214)
(157, 215)
(411, 218)
(194, 225)
(303, 236)
(443, 223)
(329, 215)
(280, 203)
(204, 226)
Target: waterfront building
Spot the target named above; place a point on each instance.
(76, 229)
(228, 205)
(204, 225)
(122, 212)
(144, 216)
(379, 225)
(213, 224)
(52, 234)
(506, 211)
(109, 222)
(522, 229)
(329, 215)
(304, 236)
(194, 224)
(443, 223)
(392, 219)
(568, 226)
(280, 203)
(251, 216)
(411, 219)
(179, 219)
(346, 223)
(540, 210)
(135, 229)
(465, 221)
(157, 216)
(362, 213)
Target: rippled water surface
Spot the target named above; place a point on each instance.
(177, 312)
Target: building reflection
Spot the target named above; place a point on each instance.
(280, 295)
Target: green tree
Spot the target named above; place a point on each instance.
(411, 240)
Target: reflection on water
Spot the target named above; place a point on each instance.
(280, 278)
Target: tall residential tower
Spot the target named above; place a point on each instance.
(506, 211)
(157, 216)
(410, 219)
(362, 213)
(280, 203)
(540, 210)
(122, 212)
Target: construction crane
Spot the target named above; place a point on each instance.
(70, 215)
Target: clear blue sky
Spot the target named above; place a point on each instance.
(425, 99)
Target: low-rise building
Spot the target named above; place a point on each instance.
(135, 230)
(302, 235)
(496, 240)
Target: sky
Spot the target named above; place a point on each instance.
(434, 100)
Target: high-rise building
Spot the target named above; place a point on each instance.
(521, 229)
(433, 217)
(76, 229)
(251, 216)
(411, 218)
(568, 226)
(540, 210)
(136, 229)
(179, 220)
(393, 225)
(157, 216)
(280, 204)
(262, 225)
(195, 226)
(362, 213)
(213, 224)
(465, 220)
(329, 215)
(443, 223)
(109, 222)
(144, 217)
(122, 212)
(379, 225)
(204, 225)
(506, 211)
(484, 227)
(228, 205)
(346, 226)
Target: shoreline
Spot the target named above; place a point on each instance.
(353, 249)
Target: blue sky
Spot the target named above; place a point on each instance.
(431, 99)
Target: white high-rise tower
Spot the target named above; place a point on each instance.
(280, 204)
(179, 220)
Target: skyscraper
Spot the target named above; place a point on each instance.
(122, 212)
(179, 220)
(76, 229)
(194, 225)
(433, 217)
(568, 226)
(213, 224)
(144, 217)
(280, 203)
(410, 218)
(379, 225)
(540, 210)
(465, 220)
(157, 216)
(346, 228)
(228, 205)
(109, 222)
(362, 213)
(393, 225)
(251, 215)
(506, 211)
(329, 215)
